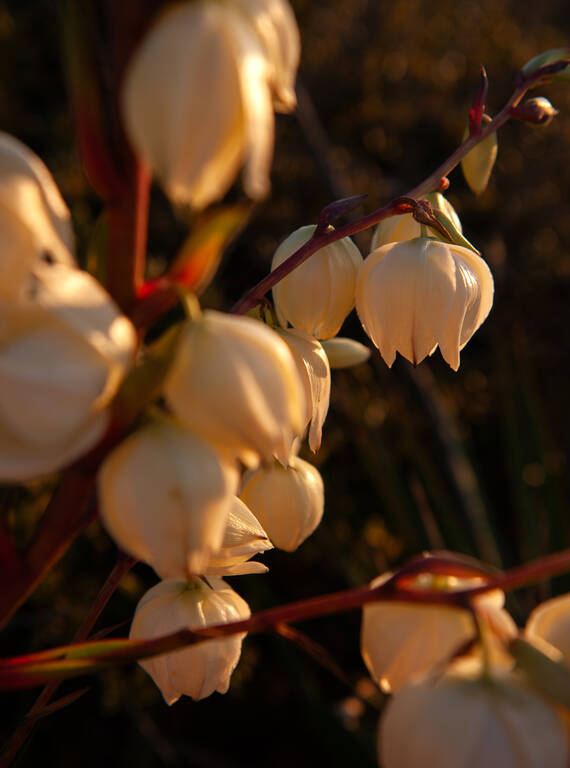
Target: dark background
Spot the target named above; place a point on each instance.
(412, 459)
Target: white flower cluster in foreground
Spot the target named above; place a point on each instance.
(64, 345)
(459, 701)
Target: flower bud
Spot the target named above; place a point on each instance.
(405, 227)
(197, 95)
(401, 641)
(34, 221)
(243, 538)
(318, 295)
(165, 496)
(546, 59)
(201, 669)
(537, 111)
(416, 295)
(288, 502)
(461, 721)
(64, 350)
(315, 373)
(345, 353)
(235, 383)
(478, 162)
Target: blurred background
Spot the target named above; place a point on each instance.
(413, 459)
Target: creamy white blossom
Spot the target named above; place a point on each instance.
(64, 349)
(243, 538)
(463, 720)
(165, 495)
(35, 224)
(400, 641)
(318, 295)
(234, 381)
(197, 99)
(315, 373)
(287, 501)
(418, 294)
(201, 669)
(395, 229)
(550, 622)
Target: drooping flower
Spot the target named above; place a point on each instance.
(315, 373)
(197, 96)
(418, 294)
(35, 224)
(463, 719)
(287, 501)
(165, 495)
(550, 622)
(234, 381)
(243, 538)
(64, 349)
(318, 295)
(395, 229)
(198, 670)
(400, 641)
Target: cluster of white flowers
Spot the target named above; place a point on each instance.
(455, 684)
(64, 345)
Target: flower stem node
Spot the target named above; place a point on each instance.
(464, 720)
(395, 229)
(318, 295)
(287, 501)
(199, 670)
(165, 496)
(421, 293)
(197, 99)
(235, 383)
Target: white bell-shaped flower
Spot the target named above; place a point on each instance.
(400, 641)
(395, 229)
(550, 621)
(64, 349)
(287, 501)
(165, 495)
(234, 381)
(418, 294)
(464, 720)
(243, 538)
(318, 295)
(201, 669)
(35, 224)
(197, 96)
(314, 370)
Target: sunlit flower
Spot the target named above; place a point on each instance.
(287, 501)
(35, 224)
(395, 229)
(550, 621)
(464, 720)
(201, 669)
(234, 381)
(243, 538)
(318, 295)
(197, 97)
(418, 294)
(315, 373)
(64, 349)
(400, 641)
(165, 496)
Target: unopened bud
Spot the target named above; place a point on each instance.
(546, 59)
(478, 163)
(537, 111)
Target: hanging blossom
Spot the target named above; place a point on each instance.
(199, 94)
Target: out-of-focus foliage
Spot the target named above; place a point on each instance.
(474, 461)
